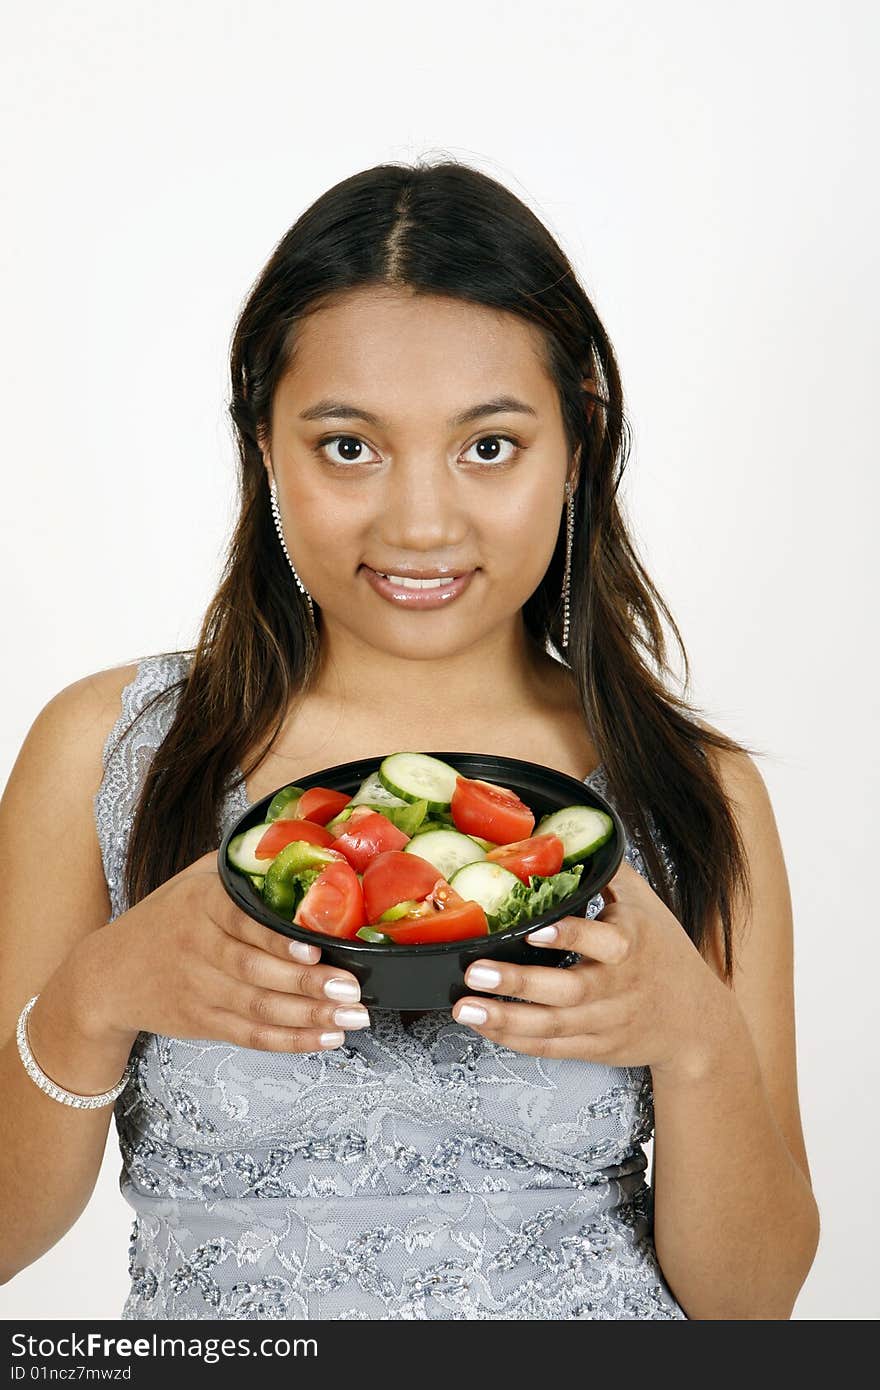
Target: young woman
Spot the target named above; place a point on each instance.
(420, 387)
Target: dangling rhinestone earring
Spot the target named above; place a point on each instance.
(277, 515)
(569, 524)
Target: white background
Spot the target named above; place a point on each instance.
(711, 171)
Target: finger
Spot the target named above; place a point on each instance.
(266, 1037)
(581, 1046)
(255, 1003)
(505, 1018)
(604, 938)
(541, 984)
(239, 925)
(234, 920)
(241, 961)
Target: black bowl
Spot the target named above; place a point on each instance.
(412, 978)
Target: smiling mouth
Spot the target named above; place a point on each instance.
(410, 591)
(435, 578)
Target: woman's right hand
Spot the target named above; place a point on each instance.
(186, 962)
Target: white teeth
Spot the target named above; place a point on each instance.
(403, 582)
(420, 583)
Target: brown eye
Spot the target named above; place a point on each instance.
(350, 447)
(488, 449)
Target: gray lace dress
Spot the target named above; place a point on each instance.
(420, 1171)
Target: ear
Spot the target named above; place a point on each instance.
(264, 450)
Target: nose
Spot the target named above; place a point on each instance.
(423, 508)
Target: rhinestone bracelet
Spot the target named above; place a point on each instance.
(46, 1083)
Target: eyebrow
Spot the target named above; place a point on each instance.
(340, 410)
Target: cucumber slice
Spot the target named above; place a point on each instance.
(582, 829)
(486, 883)
(417, 776)
(284, 804)
(447, 850)
(373, 792)
(240, 851)
(257, 880)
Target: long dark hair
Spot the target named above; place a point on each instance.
(448, 229)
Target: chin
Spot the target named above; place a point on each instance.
(407, 646)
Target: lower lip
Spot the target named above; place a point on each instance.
(436, 597)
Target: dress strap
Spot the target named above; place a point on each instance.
(128, 751)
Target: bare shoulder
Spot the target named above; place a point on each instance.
(749, 799)
(82, 710)
(50, 793)
(737, 770)
(67, 737)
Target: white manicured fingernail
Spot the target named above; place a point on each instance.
(352, 1018)
(543, 934)
(483, 977)
(471, 1013)
(345, 990)
(301, 951)
(332, 1039)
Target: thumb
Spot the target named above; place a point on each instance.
(206, 862)
(625, 884)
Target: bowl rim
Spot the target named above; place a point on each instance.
(570, 906)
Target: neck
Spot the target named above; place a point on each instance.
(504, 670)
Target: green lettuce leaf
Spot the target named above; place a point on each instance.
(539, 897)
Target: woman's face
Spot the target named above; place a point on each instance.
(413, 487)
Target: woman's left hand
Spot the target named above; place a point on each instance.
(641, 995)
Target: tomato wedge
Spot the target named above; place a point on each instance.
(392, 878)
(357, 813)
(363, 838)
(539, 854)
(334, 904)
(444, 924)
(443, 895)
(284, 832)
(443, 916)
(491, 812)
(321, 804)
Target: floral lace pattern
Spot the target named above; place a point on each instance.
(419, 1171)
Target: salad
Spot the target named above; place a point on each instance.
(419, 854)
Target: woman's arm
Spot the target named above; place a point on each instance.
(54, 899)
(736, 1225)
